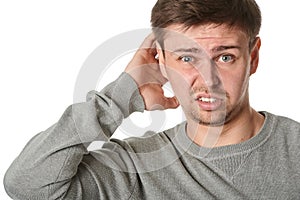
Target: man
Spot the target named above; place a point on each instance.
(207, 50)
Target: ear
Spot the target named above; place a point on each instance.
(255, 55)
(161, 60)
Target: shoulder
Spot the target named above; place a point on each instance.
(153, 141)
(285, 130)
(150, 152)
(286, 124)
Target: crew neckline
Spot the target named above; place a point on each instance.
(186, 145)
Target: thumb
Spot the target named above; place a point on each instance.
(171, 102)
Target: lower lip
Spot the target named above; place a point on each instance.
(207, 106)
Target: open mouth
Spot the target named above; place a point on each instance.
(209, 103)
(207, 100)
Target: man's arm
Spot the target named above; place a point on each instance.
(145, 69)
(48, 165)
(56, 164)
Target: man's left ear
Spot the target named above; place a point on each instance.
(255, 55)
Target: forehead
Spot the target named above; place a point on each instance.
(207, 36)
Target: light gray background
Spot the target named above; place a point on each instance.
(43, 45)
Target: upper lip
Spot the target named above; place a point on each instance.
(205, 95)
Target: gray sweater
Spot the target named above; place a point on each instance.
(55, 164)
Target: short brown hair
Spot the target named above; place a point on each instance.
(243, 14)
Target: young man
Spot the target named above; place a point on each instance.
(207, 50)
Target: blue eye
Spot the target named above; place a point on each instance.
(186, 58)
(226, 58)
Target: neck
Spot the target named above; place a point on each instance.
(240, 128)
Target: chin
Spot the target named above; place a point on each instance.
(211, 119)
(212, 123)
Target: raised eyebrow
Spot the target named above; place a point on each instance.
(223, 48)
(197, 50)
(188, 50)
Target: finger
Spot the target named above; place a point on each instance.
(171, 102)
(149, 43)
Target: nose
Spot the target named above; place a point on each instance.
(208, 72)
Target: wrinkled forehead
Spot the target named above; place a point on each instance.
(203, 38)
(176, 40)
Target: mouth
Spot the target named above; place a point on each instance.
(208, 102)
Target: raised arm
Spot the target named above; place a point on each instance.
(48, 165)
(55, 164)
(145, 70)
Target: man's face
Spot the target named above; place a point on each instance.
(209, 67)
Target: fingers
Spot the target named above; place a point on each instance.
(171, 103)
(167, 103)
(149, 44)
(149, 41)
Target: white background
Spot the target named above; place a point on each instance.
(43, 45)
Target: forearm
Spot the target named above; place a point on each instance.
(51, 158)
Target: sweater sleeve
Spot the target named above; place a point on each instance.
(55, 164)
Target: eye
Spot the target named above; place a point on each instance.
(226, 58)
(186, 59)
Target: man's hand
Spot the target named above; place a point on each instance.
(145, 70)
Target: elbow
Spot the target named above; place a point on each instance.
(10, 185)
(19, 187)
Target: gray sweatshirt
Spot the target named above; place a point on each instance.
(56, 164)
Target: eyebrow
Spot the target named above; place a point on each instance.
(198, 50)
(222, 48)
(190, 50)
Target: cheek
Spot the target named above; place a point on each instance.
(235, 84)
(179, 75)
(180, 80)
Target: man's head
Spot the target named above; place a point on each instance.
(243, 14)
(210, 49)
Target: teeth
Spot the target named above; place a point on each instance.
(208, 100)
